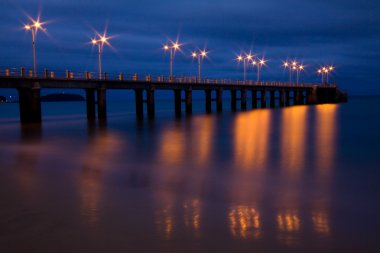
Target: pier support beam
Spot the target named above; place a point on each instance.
(90, 104)
(332, 95)
(297, 97)
(243, 99)
(189, 101)
(177, 102)
(272, 99)
(30, 104)
(233, 100)
(139, 103)
(208, 101)
(263, 98)
(150, 102)
(219, 100)
(102, 104)
(282, 97)
(311, 96)
(287, 97)
(254, 98)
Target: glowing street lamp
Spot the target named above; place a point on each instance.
(245, 60)
(200, 56)
(299, 68)
(172, 49)
(327, 71)
(34, 27)
(321, 72)
(258, 63)
(287, 65)
(100, 43)
(324, 72)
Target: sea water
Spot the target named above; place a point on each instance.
(295, 179)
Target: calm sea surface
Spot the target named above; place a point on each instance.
(299, 179)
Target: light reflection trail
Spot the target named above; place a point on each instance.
(325, 152)
(184, 157)
(251, 140)
(99, 155)
(294, 127)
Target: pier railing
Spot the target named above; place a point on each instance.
(95, 76)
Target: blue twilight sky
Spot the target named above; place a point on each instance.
(345, 33)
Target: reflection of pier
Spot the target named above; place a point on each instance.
(262, 94)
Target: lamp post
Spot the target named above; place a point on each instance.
(100, 43)
(200, 56)
(327, 71)
(245, 60)
(172, 49)
(287, 65)
(322, 73)
(299, 68)
(258, 63)
(293, 67)
(34, 28)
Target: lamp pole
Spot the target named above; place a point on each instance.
(172, 49)
(34, 28)
(258, 63)
(322, 73)
(200, 56)
(245, 60)
(299, 68)
(100, 44)
(328, 70)
(288, 65)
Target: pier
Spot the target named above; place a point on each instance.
(262, 94)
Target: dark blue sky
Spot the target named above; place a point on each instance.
(343, 33)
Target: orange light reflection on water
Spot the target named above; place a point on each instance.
(325, 152)
(203, 139)
(321, 222)
(251, 132)
(192, 215)
(244, 222)
(289, 224)
(185, 156)
(172, 147)
(325, 136)
(251, 140)
(98, 156)
(293, 137)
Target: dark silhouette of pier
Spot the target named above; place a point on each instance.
(263, 94)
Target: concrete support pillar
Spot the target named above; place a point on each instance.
(150, 102)
(233, 100)
(177, 102)
(208, 101)
(272, 101)
(287, 97)
(90, 104)
(263, 98)
(295, 97)
(139, 103)
(30, 105)
(332, 95)
(102, 104)
(282, 97)
(299, 97)
(189, 101)
(311, 95)
(219, 100)
(254, 98)
(243, 99)
(302, 96)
